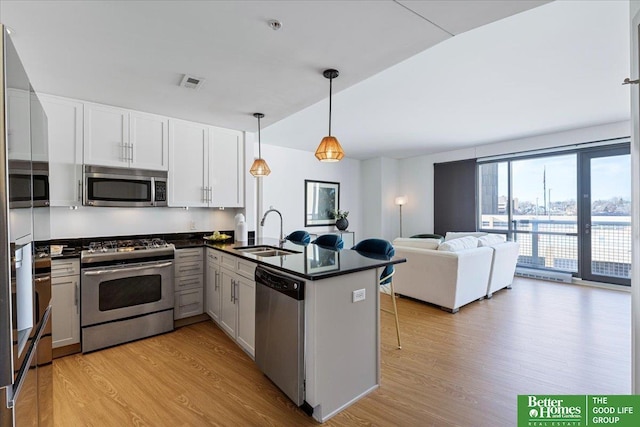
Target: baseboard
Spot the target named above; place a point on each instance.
(610, 286)
(67, 350)
(191, 320)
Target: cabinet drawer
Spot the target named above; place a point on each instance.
(189, 269)
(228, 261)
(246, 268)
(213, 256)
(189, 282)
(188, 303)
(188, 255)
(65, 267)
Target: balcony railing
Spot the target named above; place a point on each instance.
(552, 243)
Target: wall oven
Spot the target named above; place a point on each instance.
(123, 187)
(126, 292)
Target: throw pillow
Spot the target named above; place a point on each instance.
(417, 243)
(490, 240)
(459, 244)
(458, 234)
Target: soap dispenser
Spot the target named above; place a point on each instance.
(241, 231)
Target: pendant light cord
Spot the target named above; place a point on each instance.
(330, 92)
(259, 145)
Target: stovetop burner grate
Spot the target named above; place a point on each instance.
(128, 250)
(126, 245)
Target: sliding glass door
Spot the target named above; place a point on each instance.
(606, 215)
(544, 211)
(570, 211)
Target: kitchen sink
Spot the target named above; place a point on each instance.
(265, 251)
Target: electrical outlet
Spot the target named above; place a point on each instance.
(358, 295)
(192, 225)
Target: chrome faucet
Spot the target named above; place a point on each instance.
(271, 209)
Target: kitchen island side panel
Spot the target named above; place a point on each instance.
(342, 341)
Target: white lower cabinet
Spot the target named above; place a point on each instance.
(188, 303)
(231, 296)
(65, 302)
(228, 307)
(212, 285)
(189, 281)
(246, 302)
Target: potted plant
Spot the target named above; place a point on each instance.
(341, 219)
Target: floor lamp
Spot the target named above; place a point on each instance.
(401, 200)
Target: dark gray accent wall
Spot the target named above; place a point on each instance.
(454, 196)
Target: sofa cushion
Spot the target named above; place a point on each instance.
(458, 234)
(490, 240)
(417, 243)
(459, 244)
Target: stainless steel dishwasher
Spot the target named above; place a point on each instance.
(279, 346)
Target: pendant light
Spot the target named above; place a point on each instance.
(259, 166)
(330, 149)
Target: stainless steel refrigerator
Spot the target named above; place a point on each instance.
(26, 391)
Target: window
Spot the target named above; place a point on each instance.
(569, 210)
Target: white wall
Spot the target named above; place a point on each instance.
(103, 222)
(416, 174)
(371, 195)
(250, 184)
(284, 189)
(380, 187)
(634, 16)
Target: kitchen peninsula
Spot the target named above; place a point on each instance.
(341, 343)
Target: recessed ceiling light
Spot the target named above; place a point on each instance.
(274, 24)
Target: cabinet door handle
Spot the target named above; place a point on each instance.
(215, 284)
(76, 292)
(131, 152)
(233, 288)
(210, 195)
(79, 190)
(236, 290)
(204, 194)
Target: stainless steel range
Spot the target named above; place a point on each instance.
(126, 291)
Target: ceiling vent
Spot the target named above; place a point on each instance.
(191, 82)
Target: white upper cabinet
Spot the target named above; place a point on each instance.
(188, 150)
(226, 174)
(18, 127)
(122, 138)
(106, 136)
(149, 141)
(39, 132)
(206, 166)
(64, 117)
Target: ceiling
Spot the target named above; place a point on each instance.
(415, 76)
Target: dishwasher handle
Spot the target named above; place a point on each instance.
(289, 286)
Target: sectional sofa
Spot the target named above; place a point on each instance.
(464, 268)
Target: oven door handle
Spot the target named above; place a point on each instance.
(120, 270)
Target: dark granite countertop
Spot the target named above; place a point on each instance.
(311, 262)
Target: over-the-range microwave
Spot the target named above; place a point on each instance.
(28, 184)
(124, 187)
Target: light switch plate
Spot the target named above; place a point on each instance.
(359, 295)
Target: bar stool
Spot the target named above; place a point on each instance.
(329, 241)
(382, 249)
(299, 236)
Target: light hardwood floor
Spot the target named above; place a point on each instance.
(463, 369)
